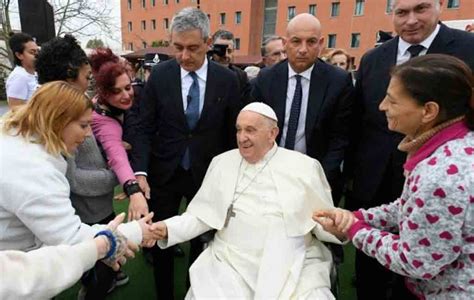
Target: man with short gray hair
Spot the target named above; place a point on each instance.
(189, 111)
(273, 50)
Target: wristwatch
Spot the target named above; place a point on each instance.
(131, 187)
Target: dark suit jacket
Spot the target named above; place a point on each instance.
(330, 102)
(244, 85)
(375, 154)
(165, 135)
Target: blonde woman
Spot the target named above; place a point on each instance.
(35, 208)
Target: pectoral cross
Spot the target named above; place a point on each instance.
(230, 214)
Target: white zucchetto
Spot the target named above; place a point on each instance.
(261, 108)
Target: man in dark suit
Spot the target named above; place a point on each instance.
(225, 39)
(312, 99)
(375, 164)
(190, 108)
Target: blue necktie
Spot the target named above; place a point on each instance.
(192, 115)
(294, 115)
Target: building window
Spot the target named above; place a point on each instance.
(209, 17)
(143, 25)
(130, 27)
(453, 3)
(291, 12)
(129, 4)
(335, 9)
(312, 9)
(130, 46)
(238, 17)
(331, 41)
(222, 18)
(153, 24)
(165, 2)
(153, 2)
(166, 23)
(269, 18)
(359, 8)
(355, 40)
(177, 1)
(143, 3)
(144, 45)
(237, 44)
(389, 7)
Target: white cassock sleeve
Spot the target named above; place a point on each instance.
(323, 190)
(45, 272)
(182, 228)
(324, 236)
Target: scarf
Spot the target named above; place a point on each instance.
(425, 144)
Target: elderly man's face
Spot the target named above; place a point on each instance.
(190, 48)
(275, 52)
(415, 20)
(255, 135)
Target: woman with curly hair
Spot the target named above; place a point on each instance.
(92, 182)
(63, 59)
(114, 97)
(35, 208)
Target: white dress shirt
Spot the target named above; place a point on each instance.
(403, 55)
(187, 81)
(300, 140)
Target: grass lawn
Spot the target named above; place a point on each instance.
(141, 285)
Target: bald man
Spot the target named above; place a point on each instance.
(312, 99)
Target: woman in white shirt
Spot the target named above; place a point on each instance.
(30, 273)
(22, 81)
(35, 208)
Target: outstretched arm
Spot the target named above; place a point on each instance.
(180, 229)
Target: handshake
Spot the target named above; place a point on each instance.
(113, 247)
(336, 221)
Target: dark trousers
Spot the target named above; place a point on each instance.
(374, 281)
(165, 201)
(99, 279)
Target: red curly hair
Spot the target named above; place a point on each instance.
(106, 67)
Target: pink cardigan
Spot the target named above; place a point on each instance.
(108, 132)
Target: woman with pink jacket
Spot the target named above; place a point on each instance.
(114, 97)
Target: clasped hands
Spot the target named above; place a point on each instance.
(151, 232)
(336, 221)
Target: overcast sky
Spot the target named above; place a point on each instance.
(114, 42)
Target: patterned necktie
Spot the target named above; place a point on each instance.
(415, 50)
(192, 111)
(192, 115)
(294, 115)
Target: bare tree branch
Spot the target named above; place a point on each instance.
(78, 17)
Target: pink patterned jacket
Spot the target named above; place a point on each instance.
(427, 234)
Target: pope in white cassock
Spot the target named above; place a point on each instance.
(260, 198)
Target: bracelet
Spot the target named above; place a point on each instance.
(113, 242)
(131, 187)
